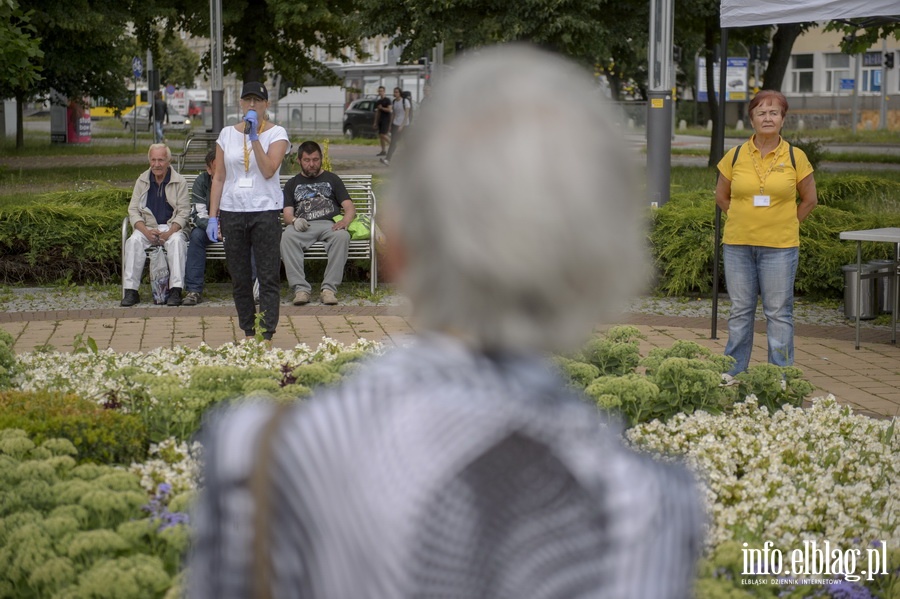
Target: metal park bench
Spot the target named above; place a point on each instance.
(360, 189)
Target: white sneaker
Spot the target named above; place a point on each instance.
(727, 380)
(385, 162)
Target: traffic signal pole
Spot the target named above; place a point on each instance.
(660, 105)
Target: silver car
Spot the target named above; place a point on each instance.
(140, 118)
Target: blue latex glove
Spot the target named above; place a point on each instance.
(212, 229)
(253, 125)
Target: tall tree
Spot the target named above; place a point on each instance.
(83, 43)
(572, 27)
(20, 56)
(782, 44)
(275, 36)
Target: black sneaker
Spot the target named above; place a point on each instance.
(192, 298)
(130, 298)
(174, 298)
(381, 154)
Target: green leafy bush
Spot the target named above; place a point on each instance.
(7, 358)
(75, 532)
(616, 353)
(683, 237)
(813, 149)
(99, 435)
(71, 236)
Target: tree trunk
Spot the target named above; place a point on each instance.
(20, 121)
(709, 45)
(782, 44)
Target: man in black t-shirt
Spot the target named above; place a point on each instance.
(311, 200)
(383, 110)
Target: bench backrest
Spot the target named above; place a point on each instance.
(358, 186)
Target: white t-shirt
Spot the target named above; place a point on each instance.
(399, 112)
(263, 194)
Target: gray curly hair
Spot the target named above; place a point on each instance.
(515, 205)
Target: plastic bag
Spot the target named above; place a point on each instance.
(359, 227)
(159, 275)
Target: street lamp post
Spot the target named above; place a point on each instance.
(660, 107)
(218, 85)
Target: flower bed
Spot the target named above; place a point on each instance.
(784, 476)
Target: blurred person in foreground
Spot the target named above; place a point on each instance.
(758, 186)
(461, 465)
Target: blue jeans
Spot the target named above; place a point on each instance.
(752, 271)
(158, 131)
(195, 267)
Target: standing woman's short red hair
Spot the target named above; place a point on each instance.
(769, 95)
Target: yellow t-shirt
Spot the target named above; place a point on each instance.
(775, 225)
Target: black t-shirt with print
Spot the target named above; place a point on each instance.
(317, 198)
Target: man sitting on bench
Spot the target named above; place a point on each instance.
(158, 212)
(195, 272)
(311, 200)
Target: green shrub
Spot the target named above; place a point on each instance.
(72, 236)
(71, 531)
(616, 353)
(100, 435)
(579, 374)
(813, 148)
(7, 358)
(633, 396)
(683, 237)
(774, 386)
(170, 408)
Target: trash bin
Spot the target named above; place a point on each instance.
(867, 298)
(884, 285)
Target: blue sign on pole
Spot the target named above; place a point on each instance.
(847, 83)
(137, 67)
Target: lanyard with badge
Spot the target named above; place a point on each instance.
(762, 200)
(246, 180)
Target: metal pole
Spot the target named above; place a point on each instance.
(882, 122)
(216, 75)
(719, 150)
(659, 109)
(134, 116)
(857, 59)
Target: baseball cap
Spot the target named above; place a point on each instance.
(255, 88)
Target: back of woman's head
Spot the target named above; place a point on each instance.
(515, 205)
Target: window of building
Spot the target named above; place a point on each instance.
(802, 75)
(837, 67)
(871, 72)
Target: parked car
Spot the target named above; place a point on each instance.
(359, 117)
(140, 118)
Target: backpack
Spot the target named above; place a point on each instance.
(407, 97)
(790, 151)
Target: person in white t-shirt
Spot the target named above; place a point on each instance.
(402, 107)
(246, 195)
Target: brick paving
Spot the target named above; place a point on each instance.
(867, 379)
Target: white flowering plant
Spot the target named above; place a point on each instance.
(170, 389)
(789, 476)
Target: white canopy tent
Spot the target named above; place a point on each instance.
(742, 13)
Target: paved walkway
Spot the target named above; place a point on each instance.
(867, 379)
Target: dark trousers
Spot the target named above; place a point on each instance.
(259, 233)
(396, 133)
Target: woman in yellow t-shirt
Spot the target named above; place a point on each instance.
(757, 190)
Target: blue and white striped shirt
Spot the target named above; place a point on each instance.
(436, 471)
